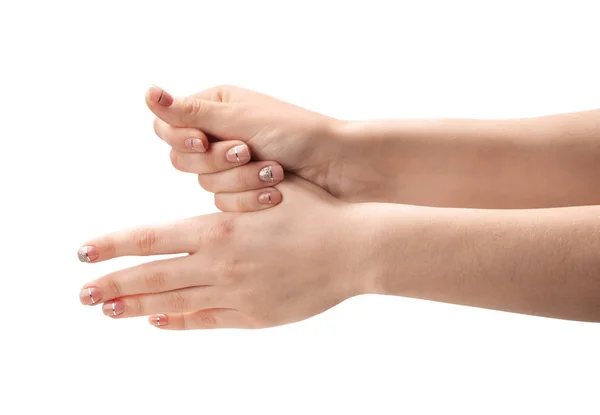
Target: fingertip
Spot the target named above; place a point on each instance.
(88, 253)
(218, 201)
(156, 95)
(98, 250)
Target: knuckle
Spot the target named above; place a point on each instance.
(176, 160)
(178, 302)
(242, 178)
(227, 271)
(155, 281)
(113, 287)
(254, 322)
(218, 232)
(222, 93)
(256, 319)
(192, 106)
(145, 240)
(219, 202)
(205, 318)
(156, 125)
(206, 182)
(134, 304)
(210, 162)
(241, 203)
(108, 247)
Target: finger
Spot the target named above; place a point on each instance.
(250, 201)
(223, 155)
(216, 318)
(184, 236)
(182, 139)
(178, 301)
(255, 175)
(214, 118)
(152, 277)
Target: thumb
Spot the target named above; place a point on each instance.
(208, 116)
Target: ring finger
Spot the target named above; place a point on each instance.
(149, 278)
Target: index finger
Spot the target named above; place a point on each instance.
(184, 236)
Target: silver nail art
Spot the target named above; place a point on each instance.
(269, 197)
(113, 309)
(266, 174)
(91, 297)
(82, 254)
(158, 320)
(237, 157)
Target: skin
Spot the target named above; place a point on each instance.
(541, 162)
(276, 266)
(237, 272)
(270, 267)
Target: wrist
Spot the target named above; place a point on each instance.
(402, 249)
(378, 233)
(367, 162)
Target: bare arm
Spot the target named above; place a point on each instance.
(544, 262)
(549, 161)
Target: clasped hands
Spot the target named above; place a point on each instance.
(284, 249)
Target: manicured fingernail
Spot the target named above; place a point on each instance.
(114, 308)
(238, 154)
(194, 144)
(265, 198)
(88, 253)
(271, 174)
(161, 96)
(269, 198)
(158, 320)
(90, 296)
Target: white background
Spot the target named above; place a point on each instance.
(79, 158)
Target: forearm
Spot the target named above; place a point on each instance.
(547, 161)
(542, 262)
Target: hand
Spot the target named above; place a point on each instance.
(307, 144)
(247, 270)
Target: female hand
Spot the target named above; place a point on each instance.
(246, 270)
(241, 122)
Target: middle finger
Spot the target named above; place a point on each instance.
(152, 277)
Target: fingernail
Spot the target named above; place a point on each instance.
(194, 144)
(238, 154)
(265, 198)
(158, 320)
(269, 198)
(161, 96)
(88, 253)
(90, 296)
(271, 174)
(114, 308)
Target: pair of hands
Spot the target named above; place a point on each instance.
(256, 269)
